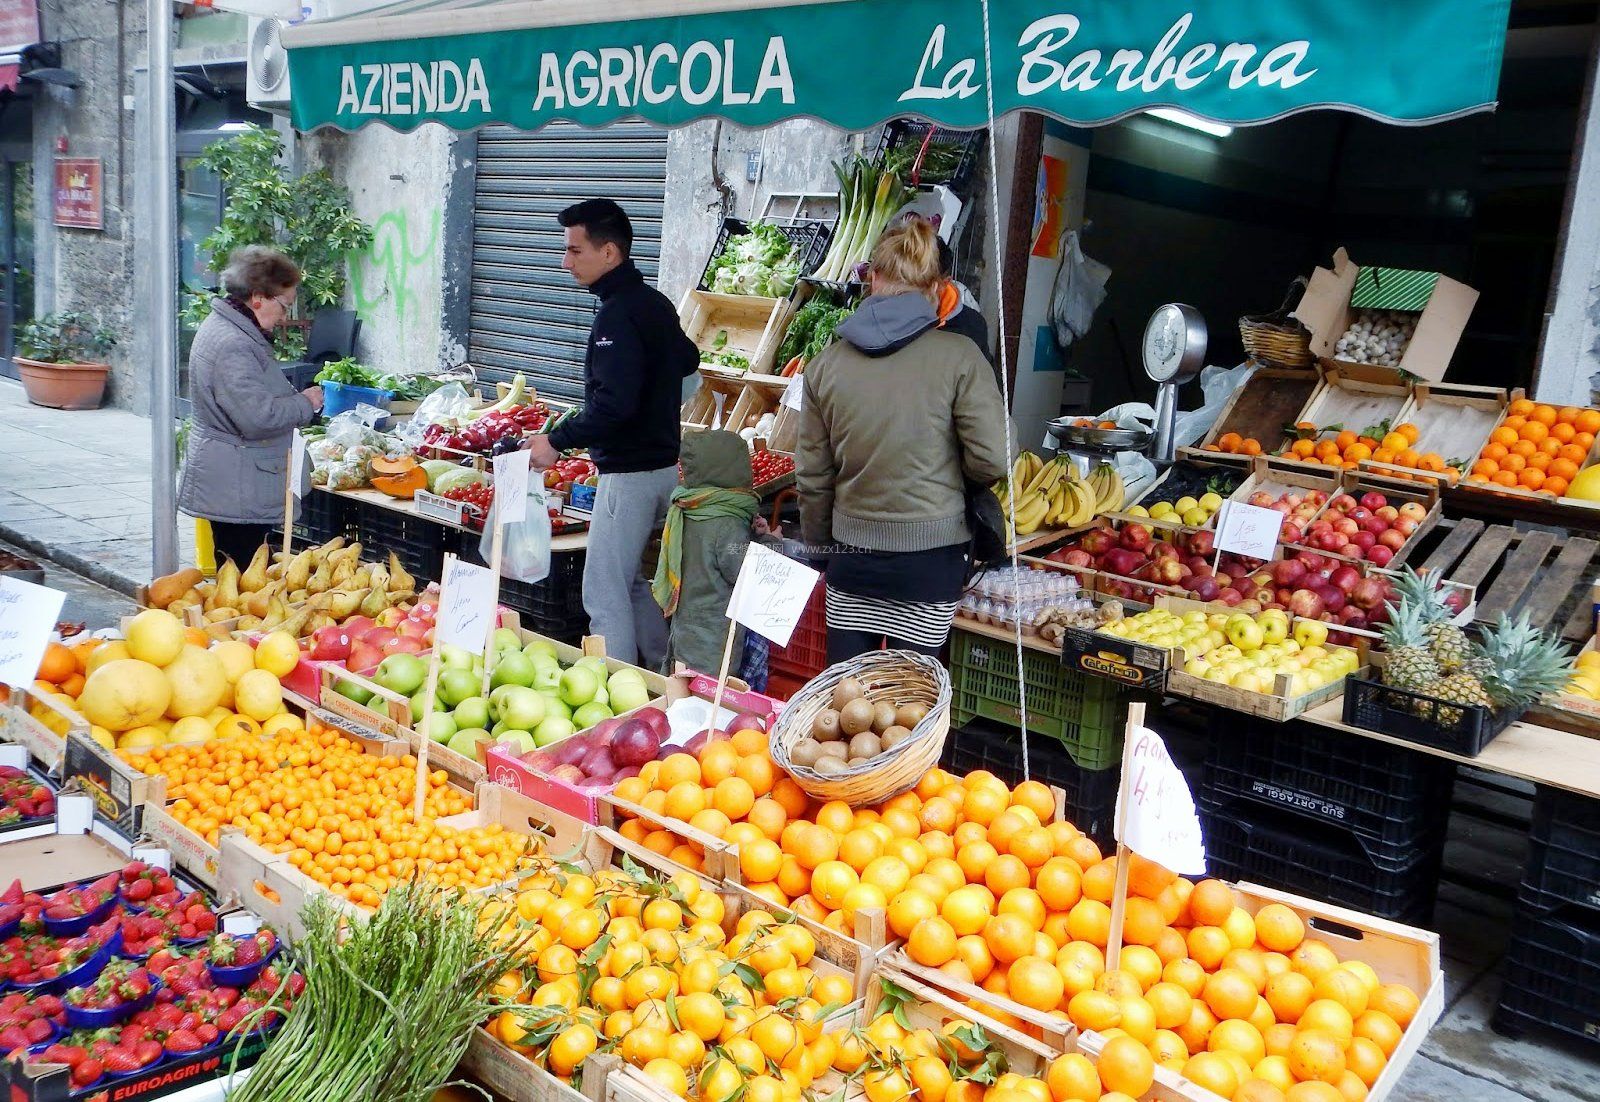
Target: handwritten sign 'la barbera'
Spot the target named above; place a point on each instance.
(771, 593)
(1156, 817)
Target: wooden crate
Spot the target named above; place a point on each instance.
(1541, 573)
(18, 724)
(761, 395)
(747, 324)
(1452, 420)
(702, 410)
(1277, 706)
(1582, 511)
(1260, 408)
(515, 1078)
(1163, 489)
(1353, 398)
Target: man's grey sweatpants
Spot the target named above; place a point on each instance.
(628, 509)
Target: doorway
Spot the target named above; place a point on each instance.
(16, 252)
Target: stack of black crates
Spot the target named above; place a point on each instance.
(1351, 821)
(1551, 971)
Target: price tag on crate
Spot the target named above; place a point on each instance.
(467, 605)
(28, 615)
(771, 594)
(1248, 530)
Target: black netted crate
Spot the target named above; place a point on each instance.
(322, 516)
(419, 544)
(1425, 720)
(809, 237)
(1091, 794)
(1394, 799)
(1268, 846)
(932, 154)
(553, 607)
(1551, 976)
(1563, 852)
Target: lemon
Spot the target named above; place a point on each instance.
(155, 636)
(277, 654)
(283, 722)
(140, 738)
(191, 729)
(103, 737)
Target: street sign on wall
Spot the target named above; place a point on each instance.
(80, 193)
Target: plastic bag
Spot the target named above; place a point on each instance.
(450, 402)
(525, 544)
(1079, 290)
(354, 427)
(1216, 383)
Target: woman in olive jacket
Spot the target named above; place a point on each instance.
(897, 417)
(245, 411)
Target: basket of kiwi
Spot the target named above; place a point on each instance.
(867, 729)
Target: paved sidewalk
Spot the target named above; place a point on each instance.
(75, 487)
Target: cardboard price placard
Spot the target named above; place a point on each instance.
(511, 486)
(28, 616)
(1248, 530)
(467, 596)
(771, 593)
(1157, 819)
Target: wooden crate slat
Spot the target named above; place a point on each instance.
(1453, 546)
(1484, 554)
(1579, 627)
(1560, 580)
(1517, 576)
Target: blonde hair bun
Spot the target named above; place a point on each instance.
(906, 259)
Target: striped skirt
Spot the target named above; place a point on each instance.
(925, 623)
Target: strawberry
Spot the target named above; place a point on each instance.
(14, 1037)
(183, 1041)
(138, 891)
(148, 1051)
(13, 894)
(121, 1061)
(207, 1032)
(38, 1030)
(132, 870)
(58, 1053)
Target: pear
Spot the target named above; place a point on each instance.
(321, 579)
(297, 572)
(342, 574)
(226, 593)
(378, 577)
(257, 603)
(399, 580)
(249, 623)
(375, 602)
(343, 603)
(255, 576)
(330, 547)
(362, 578)
(316, 622)
(219, 633)
(295, 625)
(277, 613)
(217, 615)
(299, 597)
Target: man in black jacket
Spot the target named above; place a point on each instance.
(634, 369)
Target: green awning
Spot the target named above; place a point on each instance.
(855, 63)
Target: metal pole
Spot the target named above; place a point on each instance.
(163, 305)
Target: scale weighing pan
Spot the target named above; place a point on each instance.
(1120, 440)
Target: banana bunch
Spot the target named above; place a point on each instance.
(1051, 495)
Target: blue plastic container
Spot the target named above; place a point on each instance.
(79, 976)
(79, 1017)
(72, 927)
(339, 397)
(241, 975)
(581, 498)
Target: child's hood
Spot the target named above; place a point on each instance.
(716, 458)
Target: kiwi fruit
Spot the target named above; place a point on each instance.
(882, 716)
(835, 749)
(855, 717)
(909, 715)
(825, 728)
(830, 764)
(893, 737)
(805, 752)
(865, 745)
(845, 691)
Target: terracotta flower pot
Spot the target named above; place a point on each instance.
(63, 386)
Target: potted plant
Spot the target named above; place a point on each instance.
(62, 360)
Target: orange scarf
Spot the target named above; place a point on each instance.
(949, 301)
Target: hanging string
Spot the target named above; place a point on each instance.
(1005, 380)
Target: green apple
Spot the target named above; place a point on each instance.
(626, 673)
(595, 664)
(555, 706)
(505, 639)
(547, 679)
(452, 657)
(500, 728)
(356, 692)
(1244, 632)
(440, 726)
(553, 729)
(521, 707)
(514, 668)
(456, 685)
(587, 715)
(628, 695)
(465, 742)
(1274, 626)
(538, 647)
(1310, 633)
(401, 673)
(472, 712)
(522, 740)
(578, 685)
(419, 702)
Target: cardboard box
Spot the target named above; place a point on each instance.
(120, 791)
(18, 724)
(1137, 665)
(1334, 295)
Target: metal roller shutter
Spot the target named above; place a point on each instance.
(527, 314)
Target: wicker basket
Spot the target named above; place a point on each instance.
(1276, 339)
(902, 677)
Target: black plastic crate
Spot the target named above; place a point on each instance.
(1394, 799)
(1425, 720)
(809, 236)
(322, 517)
(1563, 853)
(909, 135)
(1551, 976)
(419, 544)
(1091, 794)
(302, 374)
(553, 607)
(1269, 846)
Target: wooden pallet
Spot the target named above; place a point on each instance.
(1542, 573)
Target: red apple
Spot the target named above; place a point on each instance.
(1169, 571)
(1230, 596)
(1161, 549)
(358, 625)
(1292, 499)
(1281, 595)
(1414, 510)
(1312, 561)
(1363, 540)
(1358, 514)
(363, 657)
(1303, 602)
(1375, 524)
(1098, 542)
(1288, 571)
(1393, 539)
(1291, 532)
(1368, 593)
(331, 643)
(415, 629)
(1261, 499)
(1202, 543)
(1380, 555)
(377, 636)
(1344, 577)
(1198, 565)
(1077, 557)
(1388, 513)
(1329, 541)
(1405, 526)
(1373, 500)
(1346, 527)
(1135, 537)
(1343, 502)
(1249, 605)
(403, 644)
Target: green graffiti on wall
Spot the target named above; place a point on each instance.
(395, 274)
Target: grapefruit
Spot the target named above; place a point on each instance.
(124, 694)
(155, 636)
(198, 682)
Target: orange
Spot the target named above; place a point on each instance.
(1543, 414)
(836, 815)
(1588, 420)
(1503, 435)
(887, 873)
(1356, 452)
(1009, 936)
(717, 761)
(1279, 929)
(1313, 1092)
(909, 909)
(830, 881)
(975, 860)
(1230, 993)
(1344, 987)
(1536, 431)
(1240, 1037)
(1026, 903)
(1302, 449)
(1094, 1010)
(1365, 1059)
(1142, 923)
(1037, 798)
(967, 909)
(1411, 433)
(1171, 1004)
(1327, 1016)
(1531, 479)
(983, 805)
(1505, 478)
(1006, 872)
(1258, 1090)
(1212, 1071)
(1315, 1054)
(1576, 452)
(1396, 442)
(1208, 945)
(1090, 920)
(1554, 485)
(1032, 846)
(1187, 974)
(768, 816)
(758, 771)
(1211, 903)
(931, 942)
(58, 663)
(1058, 884)
(1380, 1029)
(1289, 994)
(749, 741)
(678, 769)
(1277, 1037)
(1563, 432)
(1035, 982)
(1084, 852)
(1396, 1000)
(1344, 440)
(1073, 1077)
(1100, 881)
(1485, 468)
(1126, 1065)
(734, 797)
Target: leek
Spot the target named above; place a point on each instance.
(869, 198)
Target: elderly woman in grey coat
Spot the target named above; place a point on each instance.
(245, 411)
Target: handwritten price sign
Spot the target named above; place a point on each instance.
(771, 593)
(1248, 530)
(1159, 820)
(467, 603)
(28, 614)
(511, 486)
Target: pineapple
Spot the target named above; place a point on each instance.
(1449, 645)
(1411, 665)
(1514, 666)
